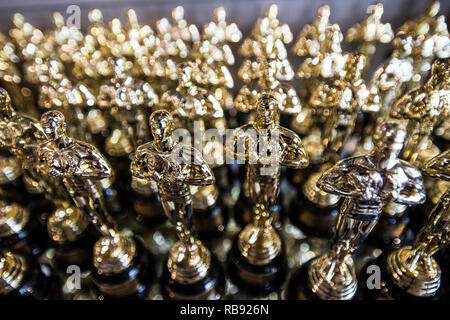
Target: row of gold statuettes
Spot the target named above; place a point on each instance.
(71, 181)
(70, 172)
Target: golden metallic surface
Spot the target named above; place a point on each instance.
(412, 268)
(316, 38)
(314, 194)
(108, 79)
(175, 167)
(266, 32)
(66, 224)
(422, 108)
(13, 219)
(114, 254)
(189, 264)
(270, 75)
(370, 31)
(10, 169)
(79, 165)
(258, 242)
(12, 271)
(367, 183)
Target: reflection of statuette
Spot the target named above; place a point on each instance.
(257, 259)
(368, 183)
(191, 271)
(81, 168)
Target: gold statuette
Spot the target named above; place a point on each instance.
(411, 271)
(367, 183)
(257, 261)
(81, 167)
(191, 270)
(370, 31)
(421, 109)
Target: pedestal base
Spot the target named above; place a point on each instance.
(256, 280)
(211, 287)
(132, 283)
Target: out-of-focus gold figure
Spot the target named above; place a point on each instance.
(421, 110)
(128, 101)
(321, 43)
(370, 31)
(266, 34)
(312, 39)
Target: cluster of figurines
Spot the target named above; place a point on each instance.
(340, 192)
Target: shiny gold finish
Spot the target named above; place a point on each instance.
(267, 32)
(175, 167)
(109, 79)
(258, 242)
(421, 110)
(370, 31)
(79, 165)
(430, 40)
(270, 75)
(113, 255)
(315, 39)
(13, 219)
(66, 224)
(412, 268)
(368, 183)
(12, 271)
(127, 101)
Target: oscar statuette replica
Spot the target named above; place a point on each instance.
(335, 107)
(257, 262)
(20, 225)
(411, 272)
(121, 264)
(191, 271)
(196, 109)
(419, 110)
(367, 183)
(66, 225)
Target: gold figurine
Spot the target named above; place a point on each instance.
(334, 108)
(81, 168)
(367, 183)
(258, 248)
(175, 167)
(128, 101)
(421, 109)
(411, 271)
(267, 31)
(370, 31)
